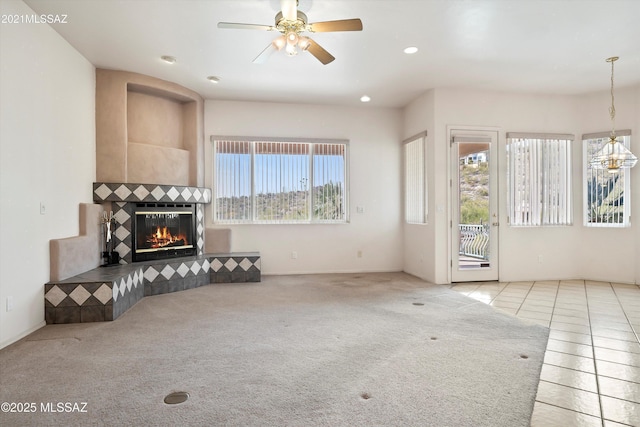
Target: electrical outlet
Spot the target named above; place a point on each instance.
(43, 208)
(294, 255)
(9, 303)
(360, 209)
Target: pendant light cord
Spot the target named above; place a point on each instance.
(612, 110)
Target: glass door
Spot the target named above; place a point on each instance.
(474, 225)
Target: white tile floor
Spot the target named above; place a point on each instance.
(591, 371)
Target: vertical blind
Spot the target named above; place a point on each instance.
(539, 179)
(414, 181)
(606, 195)
(279, 182)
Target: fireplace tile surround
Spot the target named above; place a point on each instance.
(105, 293)
(124, 195)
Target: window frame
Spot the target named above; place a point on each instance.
(540, 210)
(603, 138)
(312, 143)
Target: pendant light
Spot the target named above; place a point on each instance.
(614, 155)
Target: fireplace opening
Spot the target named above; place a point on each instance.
(163, 230)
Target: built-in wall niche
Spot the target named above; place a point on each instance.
(159, 135)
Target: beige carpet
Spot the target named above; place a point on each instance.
(333, 350)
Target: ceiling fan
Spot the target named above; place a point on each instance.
(291, 23)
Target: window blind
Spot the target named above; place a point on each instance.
(539, 179)
(414, 180)
(270, 181)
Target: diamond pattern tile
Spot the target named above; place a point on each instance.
(122, 290)
(80, 295)
(197, 194)
(122, 192)
(245, 264)
(158, 193)
(121, 216)
(122, 233)
(173, 193)
(216, 265)
(195, 268)
(102, 192)
(141, 192)
(150, 274)
(167, 272)
(122, 249)
(55, 296)
(186, 193)
(103, 294)
(182, 270)
(231, 264)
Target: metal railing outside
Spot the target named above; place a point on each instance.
(474, 241)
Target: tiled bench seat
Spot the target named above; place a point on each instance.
(104, 293)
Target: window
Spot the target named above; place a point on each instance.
(415, 206)
(606, 195)
(539, 179)
(268, 181)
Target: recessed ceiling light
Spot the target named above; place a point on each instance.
(411, 50)
(168, 59)
(365, 98)
(213, 79)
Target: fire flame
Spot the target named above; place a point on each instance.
(162, 237)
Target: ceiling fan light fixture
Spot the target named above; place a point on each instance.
(291, 49)
(303, 43)
(213, 79)
(410, 50)
(168, 59)
(280, 42)
(614, 155)
(365, 98)
(291, 23)
(292, 38)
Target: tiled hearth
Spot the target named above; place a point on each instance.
(105, 293)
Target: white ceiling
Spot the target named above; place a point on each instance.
(544, 46)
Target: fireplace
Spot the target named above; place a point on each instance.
(163, 230)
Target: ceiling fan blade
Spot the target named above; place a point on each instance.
(237, 26)
(340, 25)
(289, 9)
(265, 54)
(319, 52)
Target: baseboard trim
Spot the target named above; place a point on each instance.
(18, 337)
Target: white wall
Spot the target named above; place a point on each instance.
(47, 154)
(568, 252)
(374, 173)
(420, 240)
(613, 254)
(635, 174)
